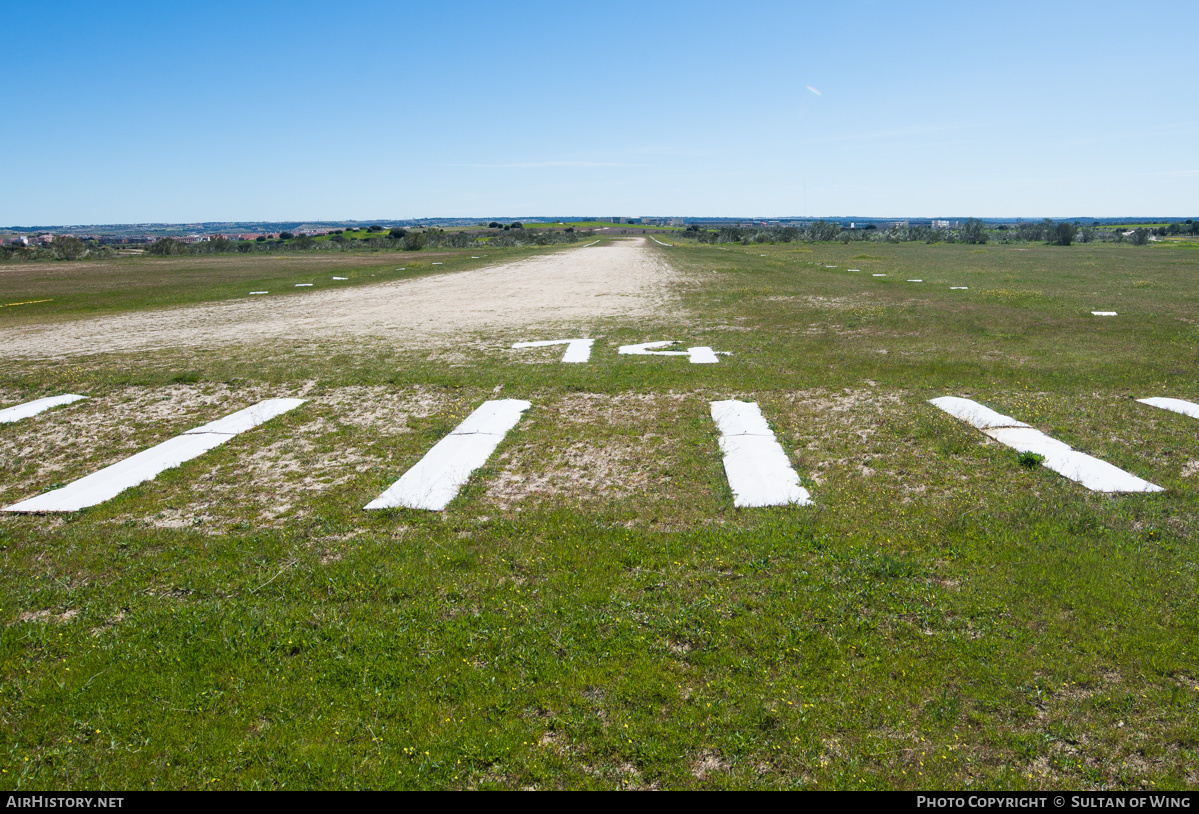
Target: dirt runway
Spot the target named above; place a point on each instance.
(574, 286)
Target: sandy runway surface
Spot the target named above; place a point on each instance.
(575, 286)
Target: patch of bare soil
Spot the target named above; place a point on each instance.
(49, 616)
(708, 763)
(601, 448)
(575, 286)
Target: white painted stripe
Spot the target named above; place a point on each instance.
(755, 464)
(147, 464)
(915, 281)
(701, 355)
(592, 243)
(31, 408)
(660, 243)
(260, 292)
(1094, 474)
(975, 414)
(247, 419)
(474, 257)
(341, 278)
(1174, 405)
(959, 288)
(436, 478)
(437, 264)
(1105, 313)
(853, 269)
(878, 275)
(303, 285)
(577, 350)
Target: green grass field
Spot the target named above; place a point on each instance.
(35, 292)
(591, 611)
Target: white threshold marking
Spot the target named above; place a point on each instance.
(577, 350)
(1096, 475)
(30, 408)
(754, 462)
(701, 355)
(436, 478)
(1105, 313)
(147, 464)
(1173, 405)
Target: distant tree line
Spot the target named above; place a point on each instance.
(405, 239)
(64, 247)
(1058, 233)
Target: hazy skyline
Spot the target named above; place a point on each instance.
(133, 112)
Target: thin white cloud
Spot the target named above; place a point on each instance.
(897, 133)
(537, 164)
(1178, 128)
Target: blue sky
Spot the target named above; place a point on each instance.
(136, 112)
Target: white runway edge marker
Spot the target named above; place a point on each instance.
(1105, 313)
(754, 462)
(577, 350)
(959, 288)
(303, 285)
(147, 464)
(341, 278)
(1096, 475)
(915, 281)
(1173, 405)
(30, 408)
(699, 356)
(260, 292)
(853, 269)
(878, 275)
(436, 478)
